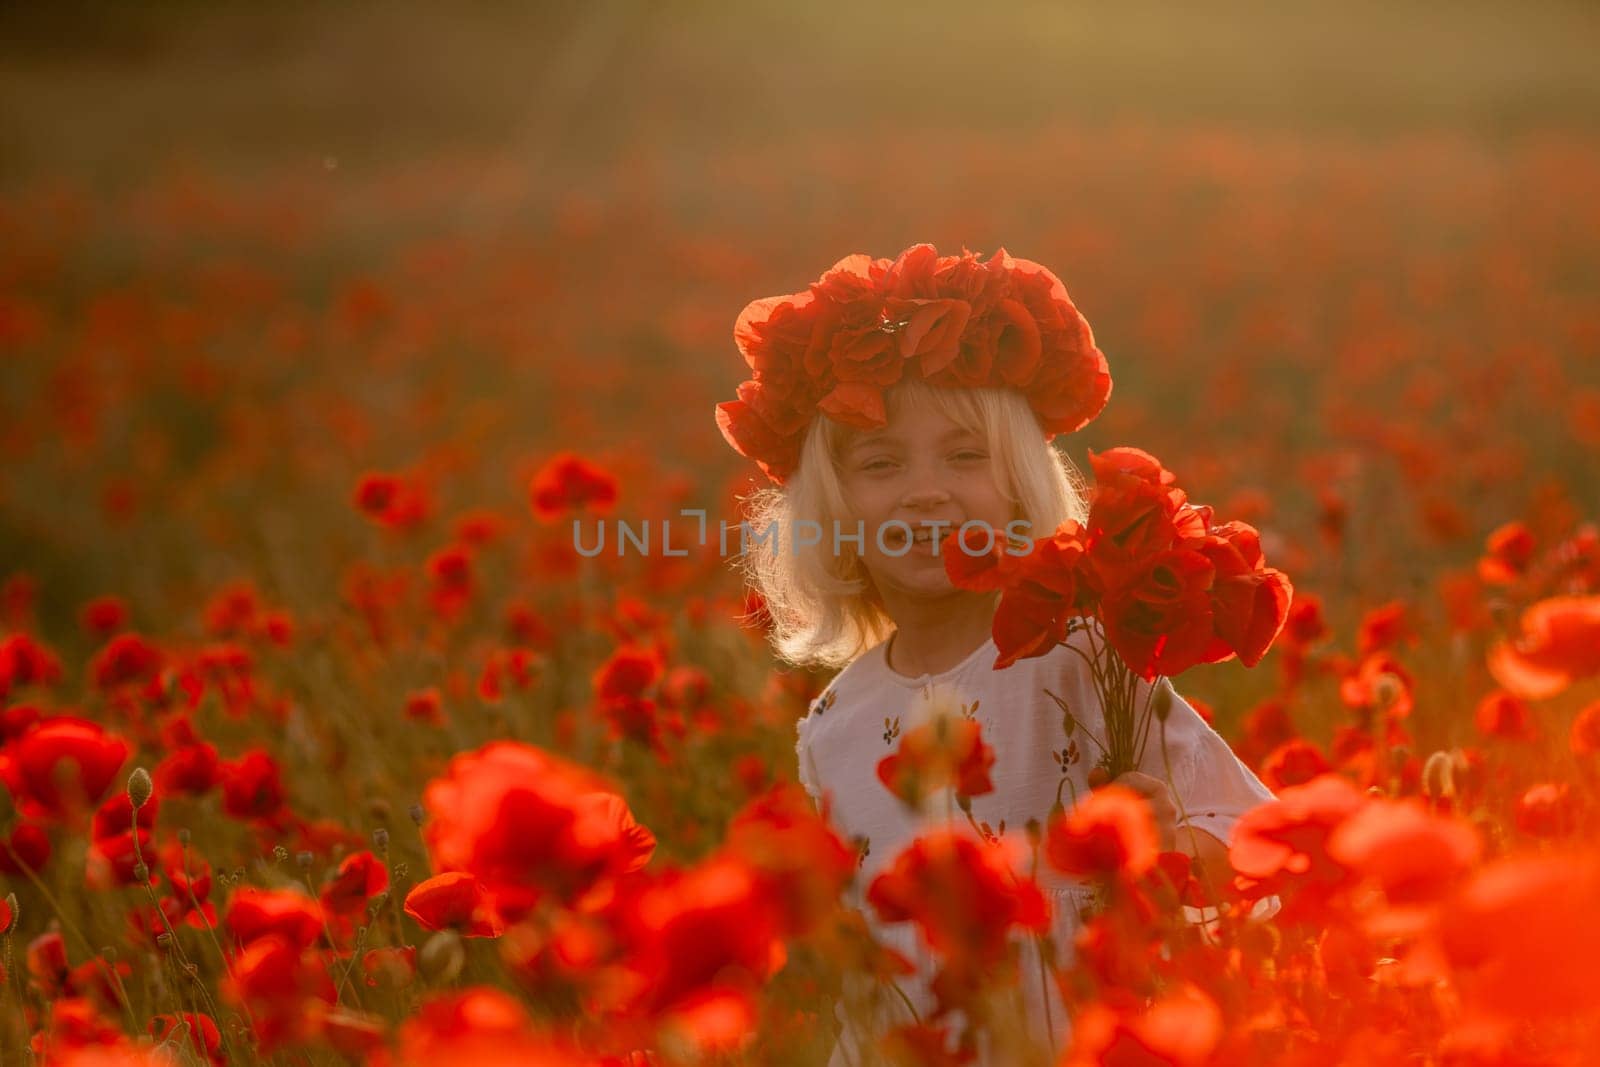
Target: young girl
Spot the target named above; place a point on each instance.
(897, 401)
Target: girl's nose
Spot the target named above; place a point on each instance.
(925, 497)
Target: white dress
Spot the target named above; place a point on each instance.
(844, 735)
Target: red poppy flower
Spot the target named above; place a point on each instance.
(1413, 854)
(528, 824)
(1109, 834)
(454, 900)
(203, 1037)
(1508, 551)
(1558, 643)
(1294, 762)
(104, 616)
(1522, 937)
(1547, 810)
(193, 769)
(1282, 845)
(252, 787)
(569, 483)
(257, 913)
(62, 765)
(798, 855)
(692, 932)
(1180, 1029)
(360, 877)
(25, 661)
(481, 1026)
(1383, 628)
(1502, 715)
(28, 846)
(629, 672)
(964, 897)
(945, 752)
(284, 990)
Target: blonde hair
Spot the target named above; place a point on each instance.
(822, 604)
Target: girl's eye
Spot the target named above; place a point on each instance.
(877, 465)
(968, 454)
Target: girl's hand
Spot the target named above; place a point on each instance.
(1155, 793)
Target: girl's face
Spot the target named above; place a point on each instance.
(920, 469)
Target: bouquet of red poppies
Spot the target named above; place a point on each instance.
(1156, 585)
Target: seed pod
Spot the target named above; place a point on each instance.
(1439, 776)
(442, 957)
(139, 787)
(1161, 703)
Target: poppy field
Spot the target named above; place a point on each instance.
(321, 742)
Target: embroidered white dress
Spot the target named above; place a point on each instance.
(845, 734)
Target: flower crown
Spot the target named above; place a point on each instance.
(954, 321)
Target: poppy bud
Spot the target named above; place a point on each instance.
(183, 835)
(442, 957)
(139, 787)
(416, 813)
(303, 860)
(12, 913)
(1386, 690)
(380, 840)
(1161, 703)
(1439, 776)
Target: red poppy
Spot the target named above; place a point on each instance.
(1522, 937)
(28, 846)
(1502, 715)
(193, 769)
(1294, 762)
(454, 900)
(481, 1026)
(946, 752)
(1415, 855)
(202, 1033)
(1547, 810)
(964, 897)
(1282, 846)
(528, 824)
(103, 616)
(283, 989)
(629, 672)
(1383, 628)
(252, 787)
(1160, 619)
(360, 877)
(25, 661)
(688, 933)
(1508, 551)
(1558, 643)
(126, 659)
(62, 765)
(1182, 1028)
(798, 855)
(569, 483)
(1109, 834)
(257, 913)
